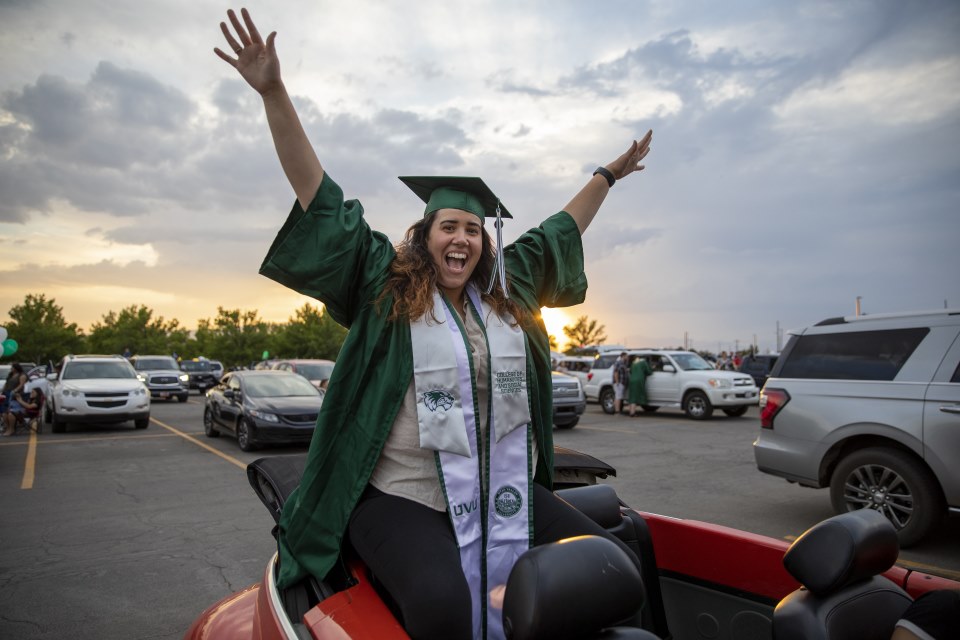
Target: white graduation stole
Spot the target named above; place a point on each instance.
(490, 539)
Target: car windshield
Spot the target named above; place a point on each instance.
(195, 365)
(690, 362)
(144, 364)
(278, 386)
(315, 371)
(87, 370)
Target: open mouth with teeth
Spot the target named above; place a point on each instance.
(456, 261)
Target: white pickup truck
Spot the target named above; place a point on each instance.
(681, 379)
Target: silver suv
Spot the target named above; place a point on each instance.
(681, 380)
(162, 376)
(96, 389)
(870, 406)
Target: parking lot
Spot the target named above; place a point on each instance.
(108, 532)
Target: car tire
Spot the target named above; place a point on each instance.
(697, 405)
(607, 399)
(889, 481)
(183, 397)
(56, 425)
(245, 436)
(142, 423)
(649, 408)
(47, 415)
(736, 412)
(208, 426)
(570, 424)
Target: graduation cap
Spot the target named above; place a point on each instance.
(467, 194)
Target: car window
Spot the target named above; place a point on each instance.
(278, 386)
(315, 371)
(195, 365)
(605, 362)
(691, 362)
(88, 370)
(956, 375)
(860, 355)
(144, 364)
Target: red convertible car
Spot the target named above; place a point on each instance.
(698, 580)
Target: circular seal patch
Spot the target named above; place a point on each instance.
(507, 502)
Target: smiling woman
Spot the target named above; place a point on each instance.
(555, 320)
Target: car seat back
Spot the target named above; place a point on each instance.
(843, 596)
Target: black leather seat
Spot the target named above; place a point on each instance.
(843, 597)
(576, 588)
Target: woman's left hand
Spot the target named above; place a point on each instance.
(630, 160)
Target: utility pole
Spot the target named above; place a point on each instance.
(858, 306)
(779, 338)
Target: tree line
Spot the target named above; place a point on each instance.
(236, 337)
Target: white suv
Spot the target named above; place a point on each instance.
(681, 379)
(96, 389)
(870, 407)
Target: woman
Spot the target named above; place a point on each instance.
(637, 395)
(11, 386)
(433, 451)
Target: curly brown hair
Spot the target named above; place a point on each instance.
(413, 277)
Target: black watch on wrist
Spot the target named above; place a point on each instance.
(606, 174)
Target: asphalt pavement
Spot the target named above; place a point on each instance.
(110, 532)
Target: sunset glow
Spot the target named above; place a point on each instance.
(555, 320)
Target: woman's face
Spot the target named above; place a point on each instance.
(455, 242)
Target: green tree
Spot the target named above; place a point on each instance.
(41, 332)
(235, 337)
(583, 332)
(310, 333)
(136, 329)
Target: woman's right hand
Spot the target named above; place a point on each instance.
(256, 60)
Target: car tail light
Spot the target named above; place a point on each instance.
(590, 376)
(771, 402)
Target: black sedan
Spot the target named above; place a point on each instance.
(263, 407)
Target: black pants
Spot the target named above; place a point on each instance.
(412, 551)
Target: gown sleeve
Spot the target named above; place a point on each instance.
(545, 265)
(330, 253)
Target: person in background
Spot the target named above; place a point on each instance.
(639, 371)
(621, 380)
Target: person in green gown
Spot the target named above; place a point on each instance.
(637, 395)
(368, 475)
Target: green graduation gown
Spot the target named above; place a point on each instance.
(637, 392)
(330, 253)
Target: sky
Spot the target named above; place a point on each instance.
(804, 153)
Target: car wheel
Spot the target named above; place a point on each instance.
(736, 412)
(607, 400)
(56, 425)
(143, 423)
(697, 405)
(649, 408)
(245, 436)
(894, 484)
(570, 424)
(208, 426)
(47, 415)
(183, 397)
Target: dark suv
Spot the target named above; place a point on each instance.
(202, 374)
(758, 366)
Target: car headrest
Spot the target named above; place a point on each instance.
(570, 589)
(598, 501)
(842, 550)
(274, 478)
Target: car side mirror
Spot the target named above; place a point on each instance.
(669, 368)
(52, 376)
(229, 394)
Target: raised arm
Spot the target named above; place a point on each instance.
(257, 63)
(586, 203)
